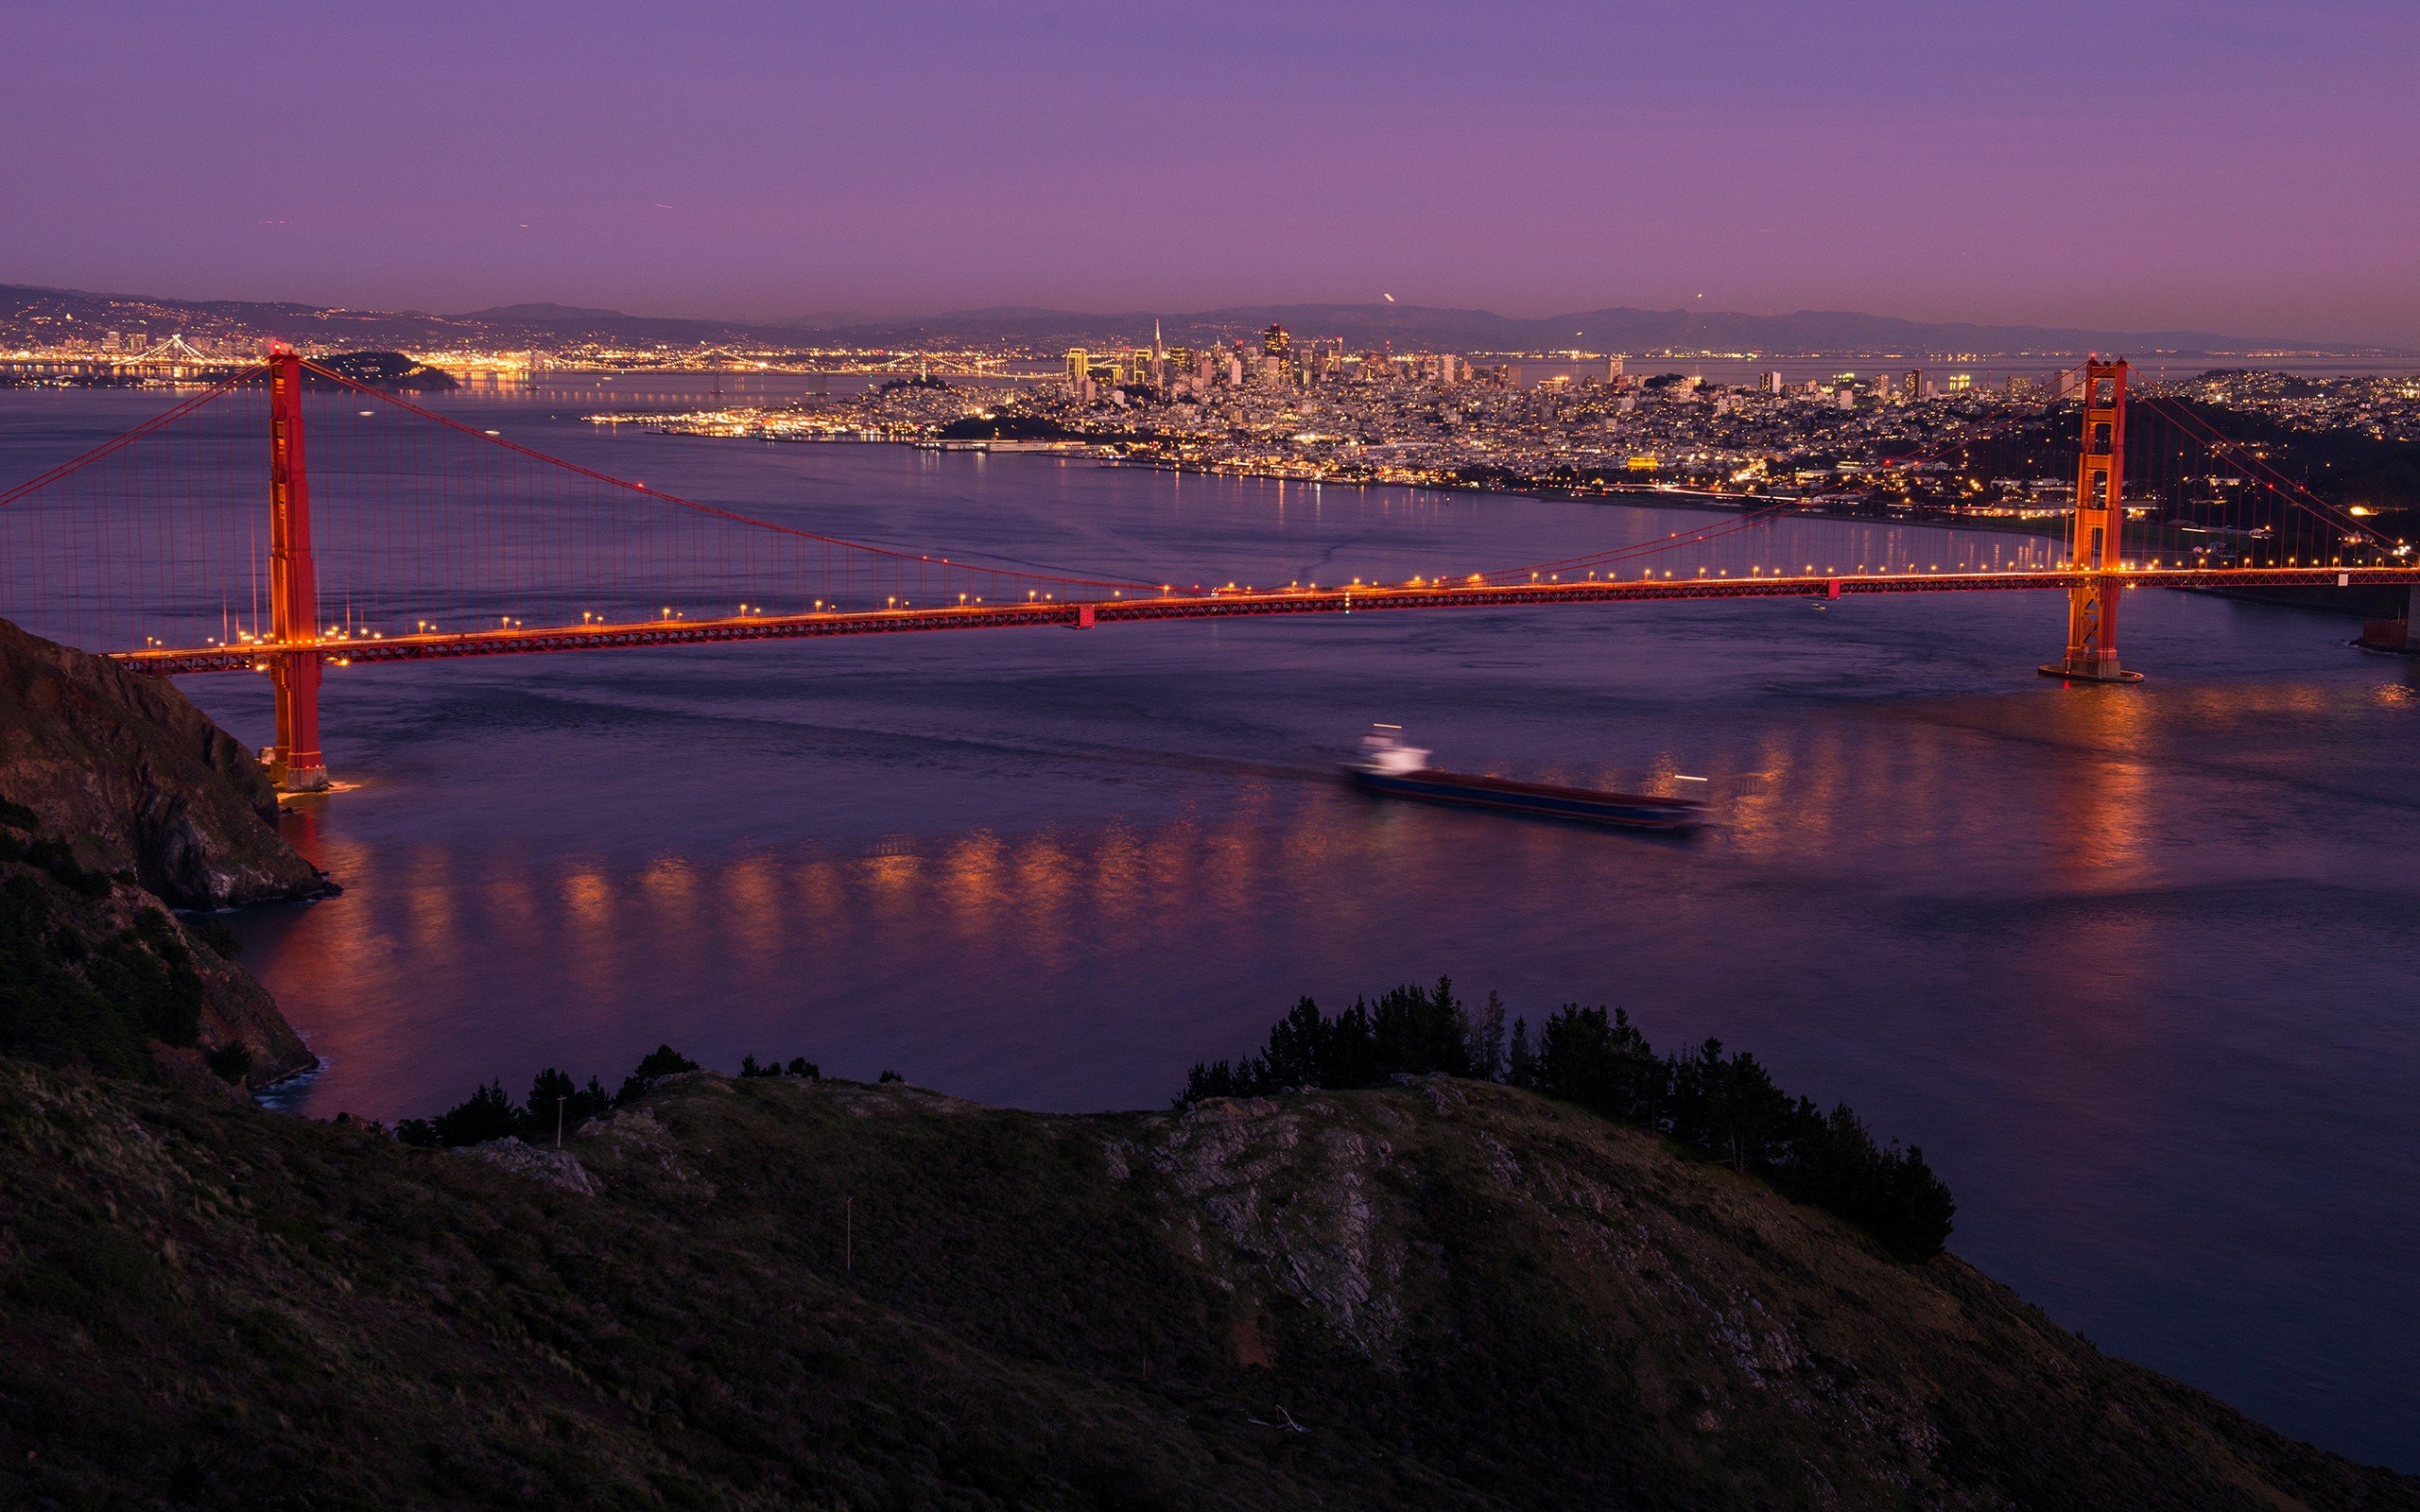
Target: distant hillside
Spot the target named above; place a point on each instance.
(1417, 327)
(30, 314)
(35, 314)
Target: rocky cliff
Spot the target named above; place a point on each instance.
(139, 780)
(118, 797)
(773, 1292)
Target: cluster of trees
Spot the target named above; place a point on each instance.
(556, 1102)
(1722, 1106)
(54, 856)
(72, 989)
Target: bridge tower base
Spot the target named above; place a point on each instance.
(2101, 519)
(295, 763)
(2394, 635)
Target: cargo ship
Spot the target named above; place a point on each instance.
(1393, 768)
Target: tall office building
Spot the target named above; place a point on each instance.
(1770, 383)
(1080, 367)
(1613, 372)
(1275, 342)
(1912, 386)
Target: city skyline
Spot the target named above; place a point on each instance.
(2227, 168)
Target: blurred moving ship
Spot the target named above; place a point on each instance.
(1393, 768)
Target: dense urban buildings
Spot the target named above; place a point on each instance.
(1940, 443)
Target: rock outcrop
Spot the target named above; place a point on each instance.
(129, 772)
(117, 800)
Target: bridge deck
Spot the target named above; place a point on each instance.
(1224, 604)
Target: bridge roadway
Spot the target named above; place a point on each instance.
(1224, 604)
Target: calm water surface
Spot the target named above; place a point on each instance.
(2137, 968)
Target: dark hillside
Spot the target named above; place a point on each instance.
(776, 1292)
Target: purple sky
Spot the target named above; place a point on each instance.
(2252, 168)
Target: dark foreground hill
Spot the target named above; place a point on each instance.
(774, 1292)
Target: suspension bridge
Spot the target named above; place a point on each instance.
(179, 548)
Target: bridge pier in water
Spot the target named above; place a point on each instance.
(2396, 635)
(2101, 519)
(294, 762)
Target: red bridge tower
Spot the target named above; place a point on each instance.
(2100, 518)
(294, 763)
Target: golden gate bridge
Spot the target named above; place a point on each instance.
(177, 548)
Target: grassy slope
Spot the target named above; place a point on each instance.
(1465, 1296)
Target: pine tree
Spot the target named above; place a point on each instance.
(1487, 1040)
(661, 1061)
(1521, 1063)
(488, 1115)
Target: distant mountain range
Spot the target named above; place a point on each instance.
(1614, 329)
(39, 315)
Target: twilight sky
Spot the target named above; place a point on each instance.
(2250, 168)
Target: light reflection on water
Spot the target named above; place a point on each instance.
(2135, 967)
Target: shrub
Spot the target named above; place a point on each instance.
(214, 934)
(485, 1114)
(57, 858)
(230, 1061)
(48, 1008)
(417, 1131)
(661, 1061)
(557, 1103)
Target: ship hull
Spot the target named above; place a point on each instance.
(1627, 811)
